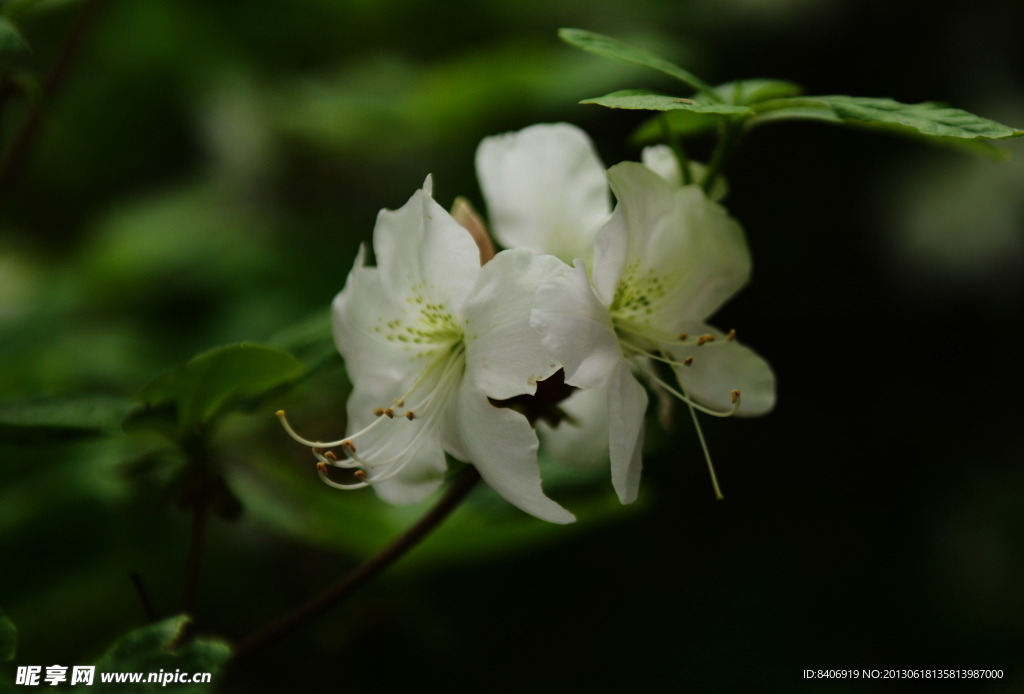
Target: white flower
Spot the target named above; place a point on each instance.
(428, 335)
(546, 191)
(666, 260)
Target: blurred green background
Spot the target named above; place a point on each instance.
(204, 176)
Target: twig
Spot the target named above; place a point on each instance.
(373, 566)
(147, 606)
(195, 555)
(15, 154)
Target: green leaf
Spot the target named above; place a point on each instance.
(929, 123)
(645, 99)
(929, 118)
(683, 123)
(8, 639)
(214, 382)
(617, 50)
(11, 39)
(154, 648)
(755, 91)
(61, 420)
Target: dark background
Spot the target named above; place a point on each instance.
(205, 177)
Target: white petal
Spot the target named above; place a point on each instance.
(720, 367)
(686, 255)
(611, 249)
(504, 356)
(503, 447)
(627, 403)
(575, 328)
(423, 472)
(582, 439)
(361, 316)
(545, 189)
(662, 160)
(424, 256)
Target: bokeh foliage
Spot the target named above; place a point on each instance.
(204, 178)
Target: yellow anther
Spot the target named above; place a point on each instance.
(330, 455)
(279, 413)
(349, 445)
(410, 415)
(687, 361)
(361, 475)
(317, 449)
(378, 411)
(735, 396)
(705, 338)
(399, 402)
(390, 413)
(681, 336)
(731, 335)
(322, 467)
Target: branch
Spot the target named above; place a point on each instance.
(373, 566)
(195, 556)
(147, 606)
(15, 154)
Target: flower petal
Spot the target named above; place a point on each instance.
(627, 403)
(545, 189)
(362, 315)
(504, 356)
(686, 255)
(425, 257)
(503, 447)
(580, 440)
(575, 328)
(722, 366)
(662, 160)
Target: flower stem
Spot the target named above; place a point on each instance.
(677, 149)
(375, 565)
(730, 132)
(17, 151)
(195, 556)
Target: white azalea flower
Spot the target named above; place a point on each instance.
(428, 335)
(546, 191)
(666, 260)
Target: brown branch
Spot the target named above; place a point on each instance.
(15, 155)
(195, 556)
(147, 606)
(373, 566)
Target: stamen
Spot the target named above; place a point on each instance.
(390, 413)
(322, 467)
(307, 442)
(378, 411)
(707, 453)
(327, 480)
(685, 398)
(732, 335)
(688, 361)
(332, 460)
(410, 415)
(735, 397)
(348, 446)
(361, 475)
(682, 336)
(705, 338)
(399, 402)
